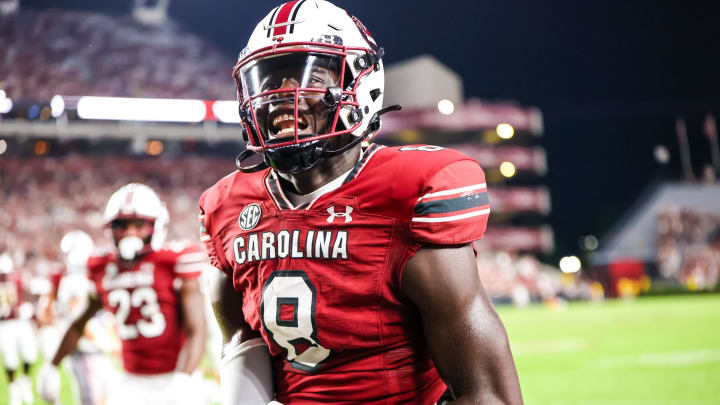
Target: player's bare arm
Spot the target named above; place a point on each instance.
(245, 361)
(467, 340)
(194, 324)
(227, 307)
(75, 331)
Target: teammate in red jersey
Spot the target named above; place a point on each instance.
(152, 289)
(353, 265)
(18, 345)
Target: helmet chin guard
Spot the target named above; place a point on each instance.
(310, 72)
(295, 158)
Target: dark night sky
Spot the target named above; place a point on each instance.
(610, 77)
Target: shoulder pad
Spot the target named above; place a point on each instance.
(432, 158)
(99, 259)
(212, 198)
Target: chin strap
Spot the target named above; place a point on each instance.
(251, 162)
(373, 126)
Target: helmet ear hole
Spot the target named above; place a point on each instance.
(362, 62)
(374, 94)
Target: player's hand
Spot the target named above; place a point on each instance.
(48, 383)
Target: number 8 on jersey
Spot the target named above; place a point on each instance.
(288, 315)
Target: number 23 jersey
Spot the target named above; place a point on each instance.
(146, 304)
(322, 281)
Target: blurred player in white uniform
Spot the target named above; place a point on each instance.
(152, 289)
(17, 337)
(43, 291)
(90, 364)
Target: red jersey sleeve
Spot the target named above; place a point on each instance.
(454, 207)
(208, 241)
(189, 262)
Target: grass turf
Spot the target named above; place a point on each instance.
(661, 350)
(66, 388)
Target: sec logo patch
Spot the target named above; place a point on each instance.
(249, 217)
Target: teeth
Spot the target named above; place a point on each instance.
(287, 131)
(286, 122)
(283, 117)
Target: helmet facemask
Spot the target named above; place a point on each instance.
(131, 247)
(296, 101)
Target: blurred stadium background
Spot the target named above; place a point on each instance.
(90, 101)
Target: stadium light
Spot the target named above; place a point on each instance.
(570, 264)
(226, 111)
(505, 131)
(446, 107)
(140, 109)
(45, 113)
(662, 154)
(3, 146)
(57, 106)
(590, 242)
(507, 169)
(6, 103)
(154, 148)
(41, 148)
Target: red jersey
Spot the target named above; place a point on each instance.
(322, 282)
(11, 296)
(146, 304)
(55, 277)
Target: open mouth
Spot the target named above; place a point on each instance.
(282, 123)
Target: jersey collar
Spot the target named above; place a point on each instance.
(272, 182)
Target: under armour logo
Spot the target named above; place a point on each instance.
(333, 214)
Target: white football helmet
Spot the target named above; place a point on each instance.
(77, 247)
(137, 200)
(279, 65)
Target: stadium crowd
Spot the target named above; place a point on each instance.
(49, 52)
(521, 279)
(69, 193)
(688, 247)
(43, 198)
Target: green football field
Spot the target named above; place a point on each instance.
(646, 351)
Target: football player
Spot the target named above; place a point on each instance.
(90, 364)
(349, 268)
(17, 336)
(153, 291)
(68, 288)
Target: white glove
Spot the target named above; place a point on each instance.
(48, 383)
